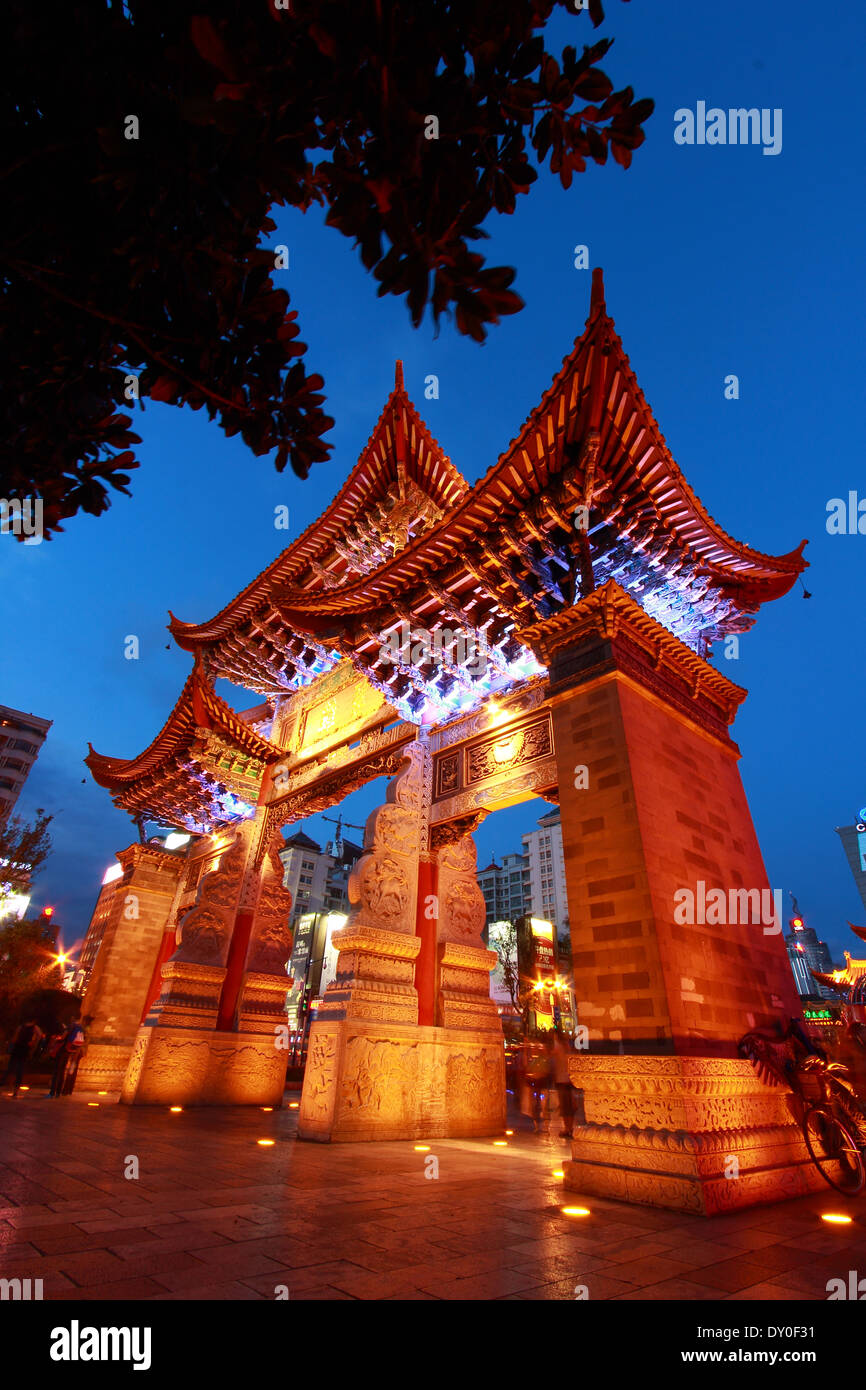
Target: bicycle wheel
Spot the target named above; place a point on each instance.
(835, 1150)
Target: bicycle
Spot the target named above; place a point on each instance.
(826, 1105)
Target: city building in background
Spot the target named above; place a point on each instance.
(312, 967)
(344, 855)
(534, 994)
(21, 737)
(532, 882)
(305, 872)
(96, 928)
(543, 851)
(506, 888)
(806, 953)
(318, 879)
(853, 839)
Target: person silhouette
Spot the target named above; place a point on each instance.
(27, 1036)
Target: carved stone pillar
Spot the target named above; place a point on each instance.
(193, 976)
(262, 1007)
(464, 962)
(353, 1081)
(372, 1071)
(180, 1057)
(378, 945)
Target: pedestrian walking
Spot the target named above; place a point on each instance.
(27, 1035)
(68, 1053)
(76, 1046)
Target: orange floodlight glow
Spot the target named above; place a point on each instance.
(175, 1109)
(294, 1105)
(576, 1211)
(541, 927)
(836, 1218)
(266, 1143)
(500, 1143)
(559, 1173)
(421, 1148)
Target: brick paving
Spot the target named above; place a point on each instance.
(213, 1215)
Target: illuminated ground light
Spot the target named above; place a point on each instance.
(24, 1088)
(500, 1143)
(836, 1218)
(102, 1093)
(509, 1131)
(294, 1105)
(576, 1211)
(266, 1143)
(558, 1173)
(421, 1148)
(267, 1109)
(94, 1104)
(175, 1109)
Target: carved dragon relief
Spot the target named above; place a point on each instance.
(383, 883)
(461, 902)
(205, 929)
(271, 941)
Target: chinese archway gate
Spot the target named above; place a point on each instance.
(543, 633)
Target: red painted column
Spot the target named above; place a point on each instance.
(234, 971)
(167, 948)
(426, 926)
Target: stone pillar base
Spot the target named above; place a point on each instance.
(374, 975)
(464, 992)
(695, 1134)
(189, 997)
(104, 1066)
(371, 1081)
(263, 1003)
(184, 1066)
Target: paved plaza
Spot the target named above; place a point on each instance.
(215, 1215)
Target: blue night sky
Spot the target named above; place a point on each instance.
(717, 260)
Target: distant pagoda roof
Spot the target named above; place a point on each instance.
(300, 841)
(587, 491)
(203, 769)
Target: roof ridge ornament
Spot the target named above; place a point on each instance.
(596, 298)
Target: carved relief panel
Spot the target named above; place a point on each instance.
(205, 930)
(383, 886)
(271, 940)
(461, 902)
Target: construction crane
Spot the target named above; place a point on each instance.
(338, 838)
